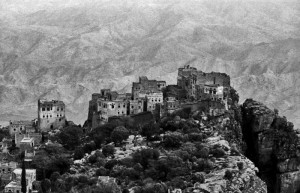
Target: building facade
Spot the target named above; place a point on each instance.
(20, 127)
(199, 85)
(51, 115)
(152, 99)
(108, 108)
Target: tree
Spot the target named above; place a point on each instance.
(46, 185)
(149, 130)
(108, 150)
(43, 137)
(173, 140)
(78, 154)
(69, 137)
(234, 95)
(119, 134)
(157, 188)
(4, 133)
(23, 178)
(143, 156)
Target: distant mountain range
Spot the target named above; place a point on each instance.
(69, 49)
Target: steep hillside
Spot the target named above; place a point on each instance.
(68, 50)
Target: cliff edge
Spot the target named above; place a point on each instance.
(273, 145)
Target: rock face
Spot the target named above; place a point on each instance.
(273, 145)
(244, 178)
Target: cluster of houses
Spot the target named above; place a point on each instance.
(27, 136)
(148, 99)
(194, 88)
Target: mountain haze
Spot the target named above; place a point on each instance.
(68, 50)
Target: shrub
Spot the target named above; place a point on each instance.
(88, 147)
(172, 140)
(228, 174)
(93, 159)
(78, 154)
(149, 130)
(102, 172)
(143, 156)
(110, 164)
(108, 150)
(202, 153)
(83, 179)
(218, 152)
(204, 165)
(128, 162)
(195, 137)
(119, 134)
(132, 174)
(100, 162)
(184, 155)
(240, 165)
(69, 137)
(198, 177)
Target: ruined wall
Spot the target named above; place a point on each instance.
(273, 145)
(221, 79)
(142, 118)
(145, 85)
(175, 91)
(192, 81)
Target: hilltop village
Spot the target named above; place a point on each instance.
(155, 98)
(188, 137)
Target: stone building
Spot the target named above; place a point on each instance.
(169, 105)
(21, 127)
(15, 185)
(109, 103)
(6, 169)
(153, 98)
(198, 84)
(51, 115)
(145, 85)
(108, 108)
(135, 106)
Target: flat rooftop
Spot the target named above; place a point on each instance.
(27, 140)
(18, 171)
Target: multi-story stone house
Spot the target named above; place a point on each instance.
(51, 115)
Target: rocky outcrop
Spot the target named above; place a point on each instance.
(242, 175)
(273, 145)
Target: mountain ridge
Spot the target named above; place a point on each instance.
(68, 50)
